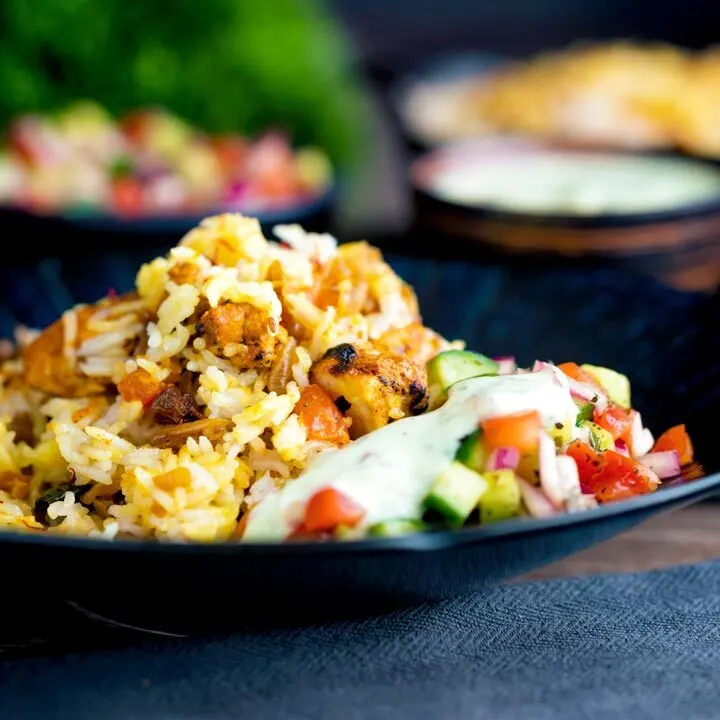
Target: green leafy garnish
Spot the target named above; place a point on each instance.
(585, 414)
(224, 65)
(53, 494)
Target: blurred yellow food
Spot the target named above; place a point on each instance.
(611, 94)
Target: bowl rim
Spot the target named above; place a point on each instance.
(690, 490)
(104, 221)
(441, 154)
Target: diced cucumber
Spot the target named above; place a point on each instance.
(452, 366)
(456, 492)
(344, 532)
(502, 499)
(393, 528)
(472, 452)
(561, 432)
(585, 413)
(600, 438)
(616, 385)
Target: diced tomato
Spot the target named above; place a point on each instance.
(33, 142)
(521, 430)
(140, 385)
(127, 196)
(320, 416)
(275, 185)
(676, 438)
(136, 125)
(616, 420)
(622, 477)
(587, 460)
(574, 371)
(329, 508)
(271, 168)
(610, 475)
(231, 152)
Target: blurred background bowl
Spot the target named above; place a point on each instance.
(679, 244)
(426, 103)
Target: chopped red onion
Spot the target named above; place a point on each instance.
(535, 500)
(559, 476)
(578, 503)
(641, 439)
(506, 458)
(236, 194)
(558, 374)
(587, 393)
(665, 464)
(166, 193)
(550, 479)
(506, 365)
(569, 475)
(622, 448)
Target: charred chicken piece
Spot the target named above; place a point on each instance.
(48, 369)
(374, 388)
(241, 332)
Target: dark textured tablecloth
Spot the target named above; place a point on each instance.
(618, 646)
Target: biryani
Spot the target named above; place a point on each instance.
(167, 412)
(260, 390)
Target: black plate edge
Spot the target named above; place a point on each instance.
(106, 222)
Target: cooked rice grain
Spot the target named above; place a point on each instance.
(197, 488)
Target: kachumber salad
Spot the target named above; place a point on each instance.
(254, 390)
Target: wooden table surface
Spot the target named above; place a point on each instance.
(683, 537)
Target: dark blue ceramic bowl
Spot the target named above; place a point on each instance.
(666, 341)
(192, 588)
(176, 225)
(57, 235)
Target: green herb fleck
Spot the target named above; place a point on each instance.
(585, 414)
(121, 167)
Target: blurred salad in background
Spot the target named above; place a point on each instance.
(224, 66)
(150, 162)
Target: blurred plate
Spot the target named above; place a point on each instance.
(426, 102)
(680, 245)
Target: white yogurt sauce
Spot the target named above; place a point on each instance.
(388, 472)
(577, 183)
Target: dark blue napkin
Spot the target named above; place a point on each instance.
(616, 646)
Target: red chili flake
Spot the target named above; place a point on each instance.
(112, 292)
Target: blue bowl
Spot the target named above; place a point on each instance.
(190, 588)
(666, 341)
